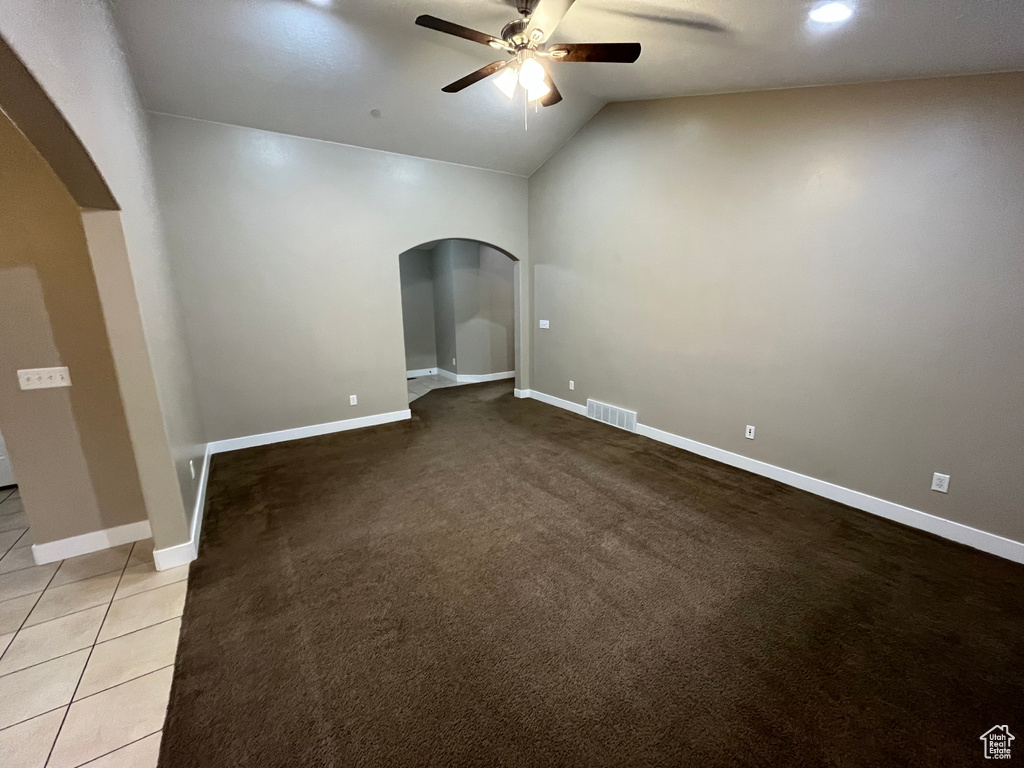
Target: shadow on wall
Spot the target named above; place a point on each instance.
(459, 309)
(70, 447)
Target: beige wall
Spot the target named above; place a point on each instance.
(841, 267)
(474, 312)
(70, 446)
(485, 337)
(417, 277)
(73, 51)
(288, 255)
(446, 342)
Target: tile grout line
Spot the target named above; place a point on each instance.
(12, 725)
(19, 570)
(100, 757)
(150, 589)
(23, 534)
(84, 698)
(36, 603)
(125, 682)
(134, 631)
(13, 545)
(77, 650)
(44, 661)
(89, 656)
(95, 643)
(83, 610)
(79, 581)
(92, 644)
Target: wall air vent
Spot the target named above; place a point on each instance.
(609, 414)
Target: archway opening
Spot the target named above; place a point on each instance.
(460, 313)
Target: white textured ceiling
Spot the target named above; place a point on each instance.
(294, 67)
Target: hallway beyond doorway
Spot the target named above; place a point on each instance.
(420, 385)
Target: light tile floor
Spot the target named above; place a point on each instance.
(423, 384)
(87, 651)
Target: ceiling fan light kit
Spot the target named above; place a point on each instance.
(526, 39)
(508, 80)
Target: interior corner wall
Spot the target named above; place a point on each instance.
(444, 306)
(70, 446)
(474, 308)
(417, 278)
(489, 328)
(74, 52)
(288, 251)
(840, 267)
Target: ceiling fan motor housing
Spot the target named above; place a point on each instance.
(514, 29)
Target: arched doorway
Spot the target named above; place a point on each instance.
(460, 313)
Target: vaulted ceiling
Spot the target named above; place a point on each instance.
(319, 68)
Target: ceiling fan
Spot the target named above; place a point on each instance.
(526, 40)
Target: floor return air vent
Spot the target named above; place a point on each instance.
(609, 414)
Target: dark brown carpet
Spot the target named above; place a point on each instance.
(498, 582)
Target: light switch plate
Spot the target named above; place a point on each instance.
(545, 324)
(43, 378)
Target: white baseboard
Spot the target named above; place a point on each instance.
(559, 402)
(521, 392)
(313, 430)
(915, 518)
(476, 378)
(421, 372)
(53, 551)
(182, 554)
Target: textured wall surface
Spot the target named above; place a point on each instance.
(288, 251)
(841, 267)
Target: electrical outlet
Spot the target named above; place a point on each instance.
(750, 432)
(545, 324)
(352, 400)
(192, 468)
(453, 361)
(940, 483)
(43, 378)
(572, 384)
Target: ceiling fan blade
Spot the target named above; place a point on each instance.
(475, 77)
(614, 53)
(553, 97)
(546, 17)
(449, 28)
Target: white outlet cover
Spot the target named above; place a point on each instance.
(545, 324)
(192, 468)
(572, 384)
(43, 378)
(352, 400)
(750, 432)
(940, 483)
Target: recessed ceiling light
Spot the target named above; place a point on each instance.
(831, 12)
